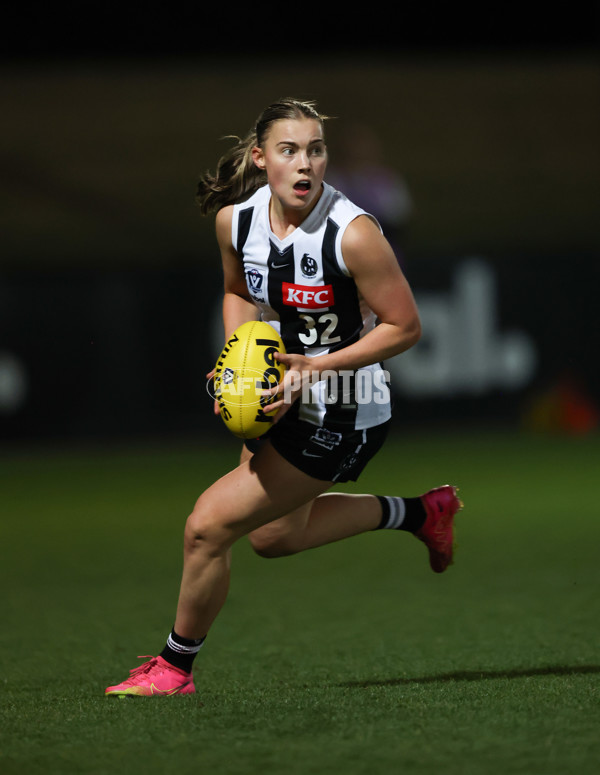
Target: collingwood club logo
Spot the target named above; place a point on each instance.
(308, 266)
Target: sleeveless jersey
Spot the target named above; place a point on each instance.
(303, 288)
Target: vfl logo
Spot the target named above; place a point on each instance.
(307, 297)
(308, 266)
(254, 280)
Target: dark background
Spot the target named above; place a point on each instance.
(110, 279)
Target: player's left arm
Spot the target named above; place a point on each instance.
(374, 267)
(381, 282)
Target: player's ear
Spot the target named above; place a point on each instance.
(258, 157)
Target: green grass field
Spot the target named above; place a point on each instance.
(353, 658)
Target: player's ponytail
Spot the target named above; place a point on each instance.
(236, 176)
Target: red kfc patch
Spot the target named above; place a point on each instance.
(307, 296)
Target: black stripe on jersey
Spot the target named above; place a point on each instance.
(282, 270)
(244, 223)
(330, 264)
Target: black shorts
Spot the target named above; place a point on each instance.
(325, 453)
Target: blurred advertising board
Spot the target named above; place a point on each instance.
(112, 353)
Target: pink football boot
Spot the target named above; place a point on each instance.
(441, 506)
(155, 678)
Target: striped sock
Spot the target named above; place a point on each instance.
(181, 652)
(401, 513)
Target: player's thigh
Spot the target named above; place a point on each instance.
(282, 536)
(279, 533)
(263, 488)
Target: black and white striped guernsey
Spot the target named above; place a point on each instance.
(303, 288)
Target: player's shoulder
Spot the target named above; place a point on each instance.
(346, 213)
(225, 214)
(362, 227)
(254, 198)
(363, 244)
(338, 202)
(223, 221)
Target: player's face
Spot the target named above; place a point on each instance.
(294, 157)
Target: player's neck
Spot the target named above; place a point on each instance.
(285, 220)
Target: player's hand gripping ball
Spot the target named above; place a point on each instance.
(244, 370)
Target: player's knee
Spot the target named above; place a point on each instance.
(204, 530)
(270, 544)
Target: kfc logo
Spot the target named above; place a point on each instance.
(307, 297)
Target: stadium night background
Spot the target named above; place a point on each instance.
(353, 658)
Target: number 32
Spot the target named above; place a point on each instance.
(311, 336)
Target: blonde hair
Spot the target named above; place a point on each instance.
(236, 175)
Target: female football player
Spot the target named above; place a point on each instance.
(299, 255)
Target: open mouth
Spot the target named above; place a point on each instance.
(302, 186)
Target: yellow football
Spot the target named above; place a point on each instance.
(244, 370)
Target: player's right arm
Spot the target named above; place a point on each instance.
(238, 306)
